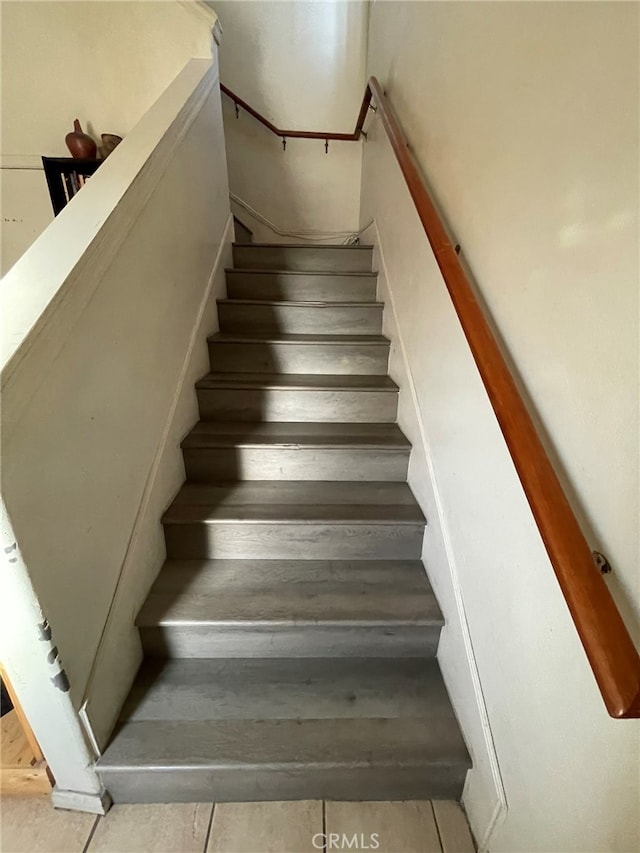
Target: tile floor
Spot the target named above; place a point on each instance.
(31, 825)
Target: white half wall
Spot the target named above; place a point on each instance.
(104, 333)
(514, 112)
(302, 65)
(102, 62)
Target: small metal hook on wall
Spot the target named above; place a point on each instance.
(284, 143)
(601, 562)
(326, 146)
(235, 103)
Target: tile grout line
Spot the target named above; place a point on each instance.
(92, 832)
(209, 827)
(435, 822)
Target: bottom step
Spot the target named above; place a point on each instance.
(230, 761)
(323, 729)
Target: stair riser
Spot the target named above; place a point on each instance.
(293, 541)
(301, 287)
(224, 784)
(303, 258)
(295, 405)
(295, 463)
(305, 641)
(301, 319)
(343, 359)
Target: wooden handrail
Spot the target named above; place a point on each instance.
(609, 648)
(302, 134)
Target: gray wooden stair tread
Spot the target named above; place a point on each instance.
(285, 501)
(271, 272)
(288, 338)
(291, 593)
(313, 285)
(339, 258)
(301, 303)
(277, 744)
(209, 434)
(330, 246)
(287, 688)
(264, 574)
(288, 513)
(297, 381)
(308, 492)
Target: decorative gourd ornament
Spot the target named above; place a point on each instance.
(80, 144)
(109, 142)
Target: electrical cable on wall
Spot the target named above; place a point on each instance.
(347, 238)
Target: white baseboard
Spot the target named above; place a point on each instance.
(458, 620)
(77, 802)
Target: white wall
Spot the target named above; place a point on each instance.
(30, 655)
(104, 334)
(524, 118)
(102, 62)
(302, 65)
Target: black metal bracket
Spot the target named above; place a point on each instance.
(284, 143)
(326, 146)
(235, 103)
(602, 563)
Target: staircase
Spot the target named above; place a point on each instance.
(290, 637)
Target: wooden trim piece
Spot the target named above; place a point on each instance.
(607, 643)
(24, 723)
(25, 780)
(22, 767)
